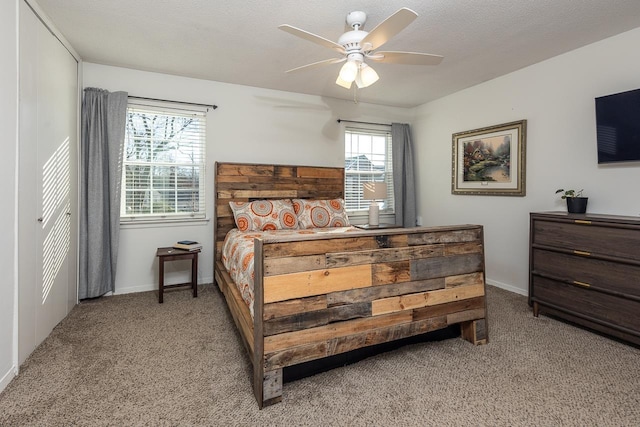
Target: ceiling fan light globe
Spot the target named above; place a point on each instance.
(367, 76)
(348, 72)
(343, 83)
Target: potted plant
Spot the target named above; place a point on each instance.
(576, 202)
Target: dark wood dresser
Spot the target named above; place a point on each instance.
(585, 268)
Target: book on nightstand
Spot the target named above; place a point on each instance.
(188, 245)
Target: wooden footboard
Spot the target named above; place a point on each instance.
(329, 295)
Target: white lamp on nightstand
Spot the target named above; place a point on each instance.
(374, 191)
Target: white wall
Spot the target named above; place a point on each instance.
(8, 195)
(250, 125)
(556, 97)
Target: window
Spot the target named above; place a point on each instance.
(163, 164)
(367, 157)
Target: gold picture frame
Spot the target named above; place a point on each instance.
(490, 161)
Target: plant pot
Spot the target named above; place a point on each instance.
(577, 204)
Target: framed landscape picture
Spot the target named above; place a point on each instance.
(490, 161)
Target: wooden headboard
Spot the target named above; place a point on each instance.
(242, 182)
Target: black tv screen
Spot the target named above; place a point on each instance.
(618, 127)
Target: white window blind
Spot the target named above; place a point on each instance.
(163, 163)
(367, 158)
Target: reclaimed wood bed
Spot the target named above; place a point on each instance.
(321, 296)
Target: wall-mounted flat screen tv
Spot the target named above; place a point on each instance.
(618, 127)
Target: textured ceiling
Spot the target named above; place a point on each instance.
(239, 42)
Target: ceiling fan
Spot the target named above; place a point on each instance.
(357, 45)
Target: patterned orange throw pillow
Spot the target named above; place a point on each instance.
(320, 213)
(263, 215)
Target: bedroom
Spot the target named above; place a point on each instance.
(555, 96)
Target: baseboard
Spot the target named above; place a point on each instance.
(152, 287)
(133, 289)
(507, 287)
(6, 378)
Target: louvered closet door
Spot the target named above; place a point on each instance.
(48, 175)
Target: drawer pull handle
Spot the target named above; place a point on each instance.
(583, 253)
(582, 221)
(584, 285)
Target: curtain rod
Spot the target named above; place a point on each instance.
(178, 102)
(363, 123)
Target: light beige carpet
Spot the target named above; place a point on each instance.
(127, 360)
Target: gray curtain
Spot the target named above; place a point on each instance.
(404, 187)
(103, 127)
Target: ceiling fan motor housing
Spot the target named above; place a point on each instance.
(351, 40)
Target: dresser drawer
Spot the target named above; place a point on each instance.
(593, 238)
(588, 303)
(602, 274)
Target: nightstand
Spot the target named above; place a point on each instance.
(173, 254)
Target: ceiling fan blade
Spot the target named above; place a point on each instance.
(409, 58)
(389, 28)
(312, 37)
(318, 64)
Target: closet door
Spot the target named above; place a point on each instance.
(47, 181)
